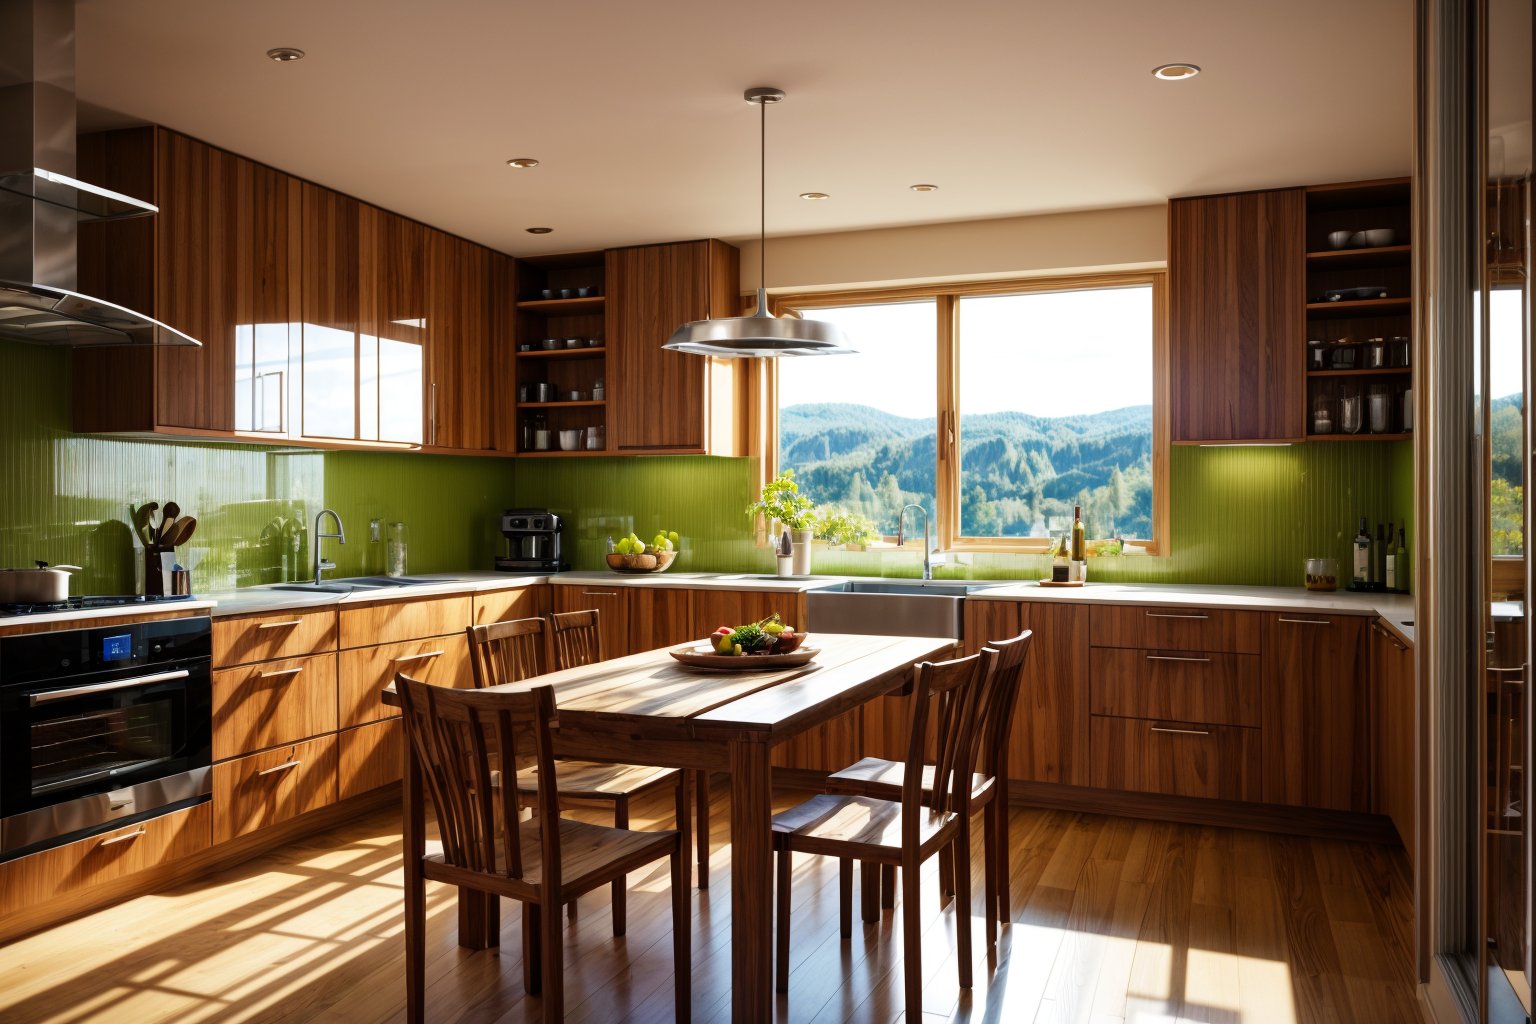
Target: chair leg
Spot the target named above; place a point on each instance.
(912, 937)
(415, 948)
(1004, 900)
(962, 865)
(845, 897)
(532, 968)
(620, 903)
(682, 927)
(781, 939)
(870, 874)
(989, 872)
(552, 962)
(570, 910)
(946, 876)
(683, 813)
(701, 824)
(888, 885)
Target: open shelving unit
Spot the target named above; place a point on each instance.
(568, 369)
(1346, 325)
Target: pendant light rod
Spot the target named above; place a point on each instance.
(762, 95)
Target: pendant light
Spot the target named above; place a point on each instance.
(761, 335)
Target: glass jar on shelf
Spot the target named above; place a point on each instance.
(1378, 400)
(1322, 413)
(1351, 408)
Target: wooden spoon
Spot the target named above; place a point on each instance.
(167, 520)
(179, 533)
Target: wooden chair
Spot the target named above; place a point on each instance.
(505, 652)
(879, 777)
(455, 740)
(905, 832)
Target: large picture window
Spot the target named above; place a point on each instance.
(999, 408)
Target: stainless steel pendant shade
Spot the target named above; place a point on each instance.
(761, 335)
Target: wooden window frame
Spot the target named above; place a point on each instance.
(947, 391)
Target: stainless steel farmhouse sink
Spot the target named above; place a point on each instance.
(358, 584)
(891, 607)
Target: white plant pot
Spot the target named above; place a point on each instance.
(802, 551)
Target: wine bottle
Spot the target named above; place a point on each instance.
(1361, 576)
(1061, 566)
(1389, 577)
(1079, 547)
(1378, 560)
(1402, 560)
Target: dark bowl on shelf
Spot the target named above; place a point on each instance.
(549, 293)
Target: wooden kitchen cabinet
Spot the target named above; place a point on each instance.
(265, 789)
(459, 282)
(271, 703)
(660, 400)
(1237, 308)
(715, 608)
(407, 619)
(239, 640)
(612, 606)
(266, 335)
(364, 672)
(1393, 720)
(394, 327)
(368, 757)
(1316, 712)
(1176, 758)
(663, 617)
(513, 603)
(331, 301)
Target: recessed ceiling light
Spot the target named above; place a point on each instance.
(285, 54)
(923, 188)
(522, 162)
(814, 196)
(538, 231)
(1176, 72)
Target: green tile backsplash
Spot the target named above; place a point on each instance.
(1240, 515)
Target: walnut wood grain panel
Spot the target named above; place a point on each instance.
(38, 878)
(263, 705)
(1176, 629)
(390, 621)
(1221, 689)
(503, 352)
(653, 290)
(714, 608)
(1392, 715)
(183, 282)
(368, 757)
(1316, 720)
(662, 617)
(283, 634)
(261, 790)
(331, 276)
(829, 747)
(1237, 329)
(393, 305)
(1049, 741)
(460, 278)
(612, 606)
(513, 603)
(363, 672)
(1176, 758)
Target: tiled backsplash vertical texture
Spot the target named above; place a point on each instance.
(65, 497)
(1240, 515)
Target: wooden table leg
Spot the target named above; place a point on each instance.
(413, 843)
(751, 882)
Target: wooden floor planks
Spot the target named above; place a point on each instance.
(1114, 921)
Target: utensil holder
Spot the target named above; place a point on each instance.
(154, 570)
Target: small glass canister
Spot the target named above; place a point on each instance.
(1322, 574)
(394, 550)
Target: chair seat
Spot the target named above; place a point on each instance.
(856, 826)
(878, 777)
(590, 855)
(596, 780)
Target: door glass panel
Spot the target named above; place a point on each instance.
(78, 747)
(330, 381)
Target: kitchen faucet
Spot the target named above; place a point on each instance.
(901, 518)
(321, 563)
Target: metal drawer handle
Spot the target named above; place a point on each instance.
(599, 593)
(1174, 615)
(122, 684)
(1305, 622)
(121, 839)
(280, 625)
(281, 672)
(1169, 657)
(419, 657)
(280, 767)
(1181, 732)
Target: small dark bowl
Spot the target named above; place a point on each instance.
(550, 293)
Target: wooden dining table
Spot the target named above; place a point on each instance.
(649, 709)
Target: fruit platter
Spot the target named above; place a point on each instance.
(633, 555)
(755, 647)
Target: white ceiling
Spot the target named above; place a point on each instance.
(635, 109)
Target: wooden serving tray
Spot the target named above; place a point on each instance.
(1069, 583)
(703, 658)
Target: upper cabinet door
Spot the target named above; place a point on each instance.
(190, 391)
(328, 346)
(459, 275)
(265, 250)
(393, 334)
(1237, 345)
(660, 400)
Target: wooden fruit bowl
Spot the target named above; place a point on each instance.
(646, 563)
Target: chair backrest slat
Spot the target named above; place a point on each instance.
(457, 740)
(949, 691)
(574, 639)
(1003, 700)
(504, 652)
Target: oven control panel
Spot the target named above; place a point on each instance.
(65, 653)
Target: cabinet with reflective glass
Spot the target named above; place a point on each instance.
(1359, 358)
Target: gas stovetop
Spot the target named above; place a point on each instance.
(78, 604)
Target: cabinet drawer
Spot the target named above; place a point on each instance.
(264, 789)
(1176, 758)
(518, 603)
(249, 638)
(1176, 629)
(258, 706)
(368, 757)
(1221, 689)
(28, 881)
(365, 671)
(389, 622)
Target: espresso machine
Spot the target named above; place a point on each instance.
(533, 541)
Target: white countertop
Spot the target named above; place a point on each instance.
(256, 600)
(697, 581)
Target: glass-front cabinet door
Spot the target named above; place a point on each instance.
(391, 369)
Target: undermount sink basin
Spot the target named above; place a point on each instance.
(357, 584)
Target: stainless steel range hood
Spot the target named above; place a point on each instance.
(41, 202)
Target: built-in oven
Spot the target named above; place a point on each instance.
(102, 727)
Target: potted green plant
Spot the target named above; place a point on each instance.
(842, 528)
(782, 502)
